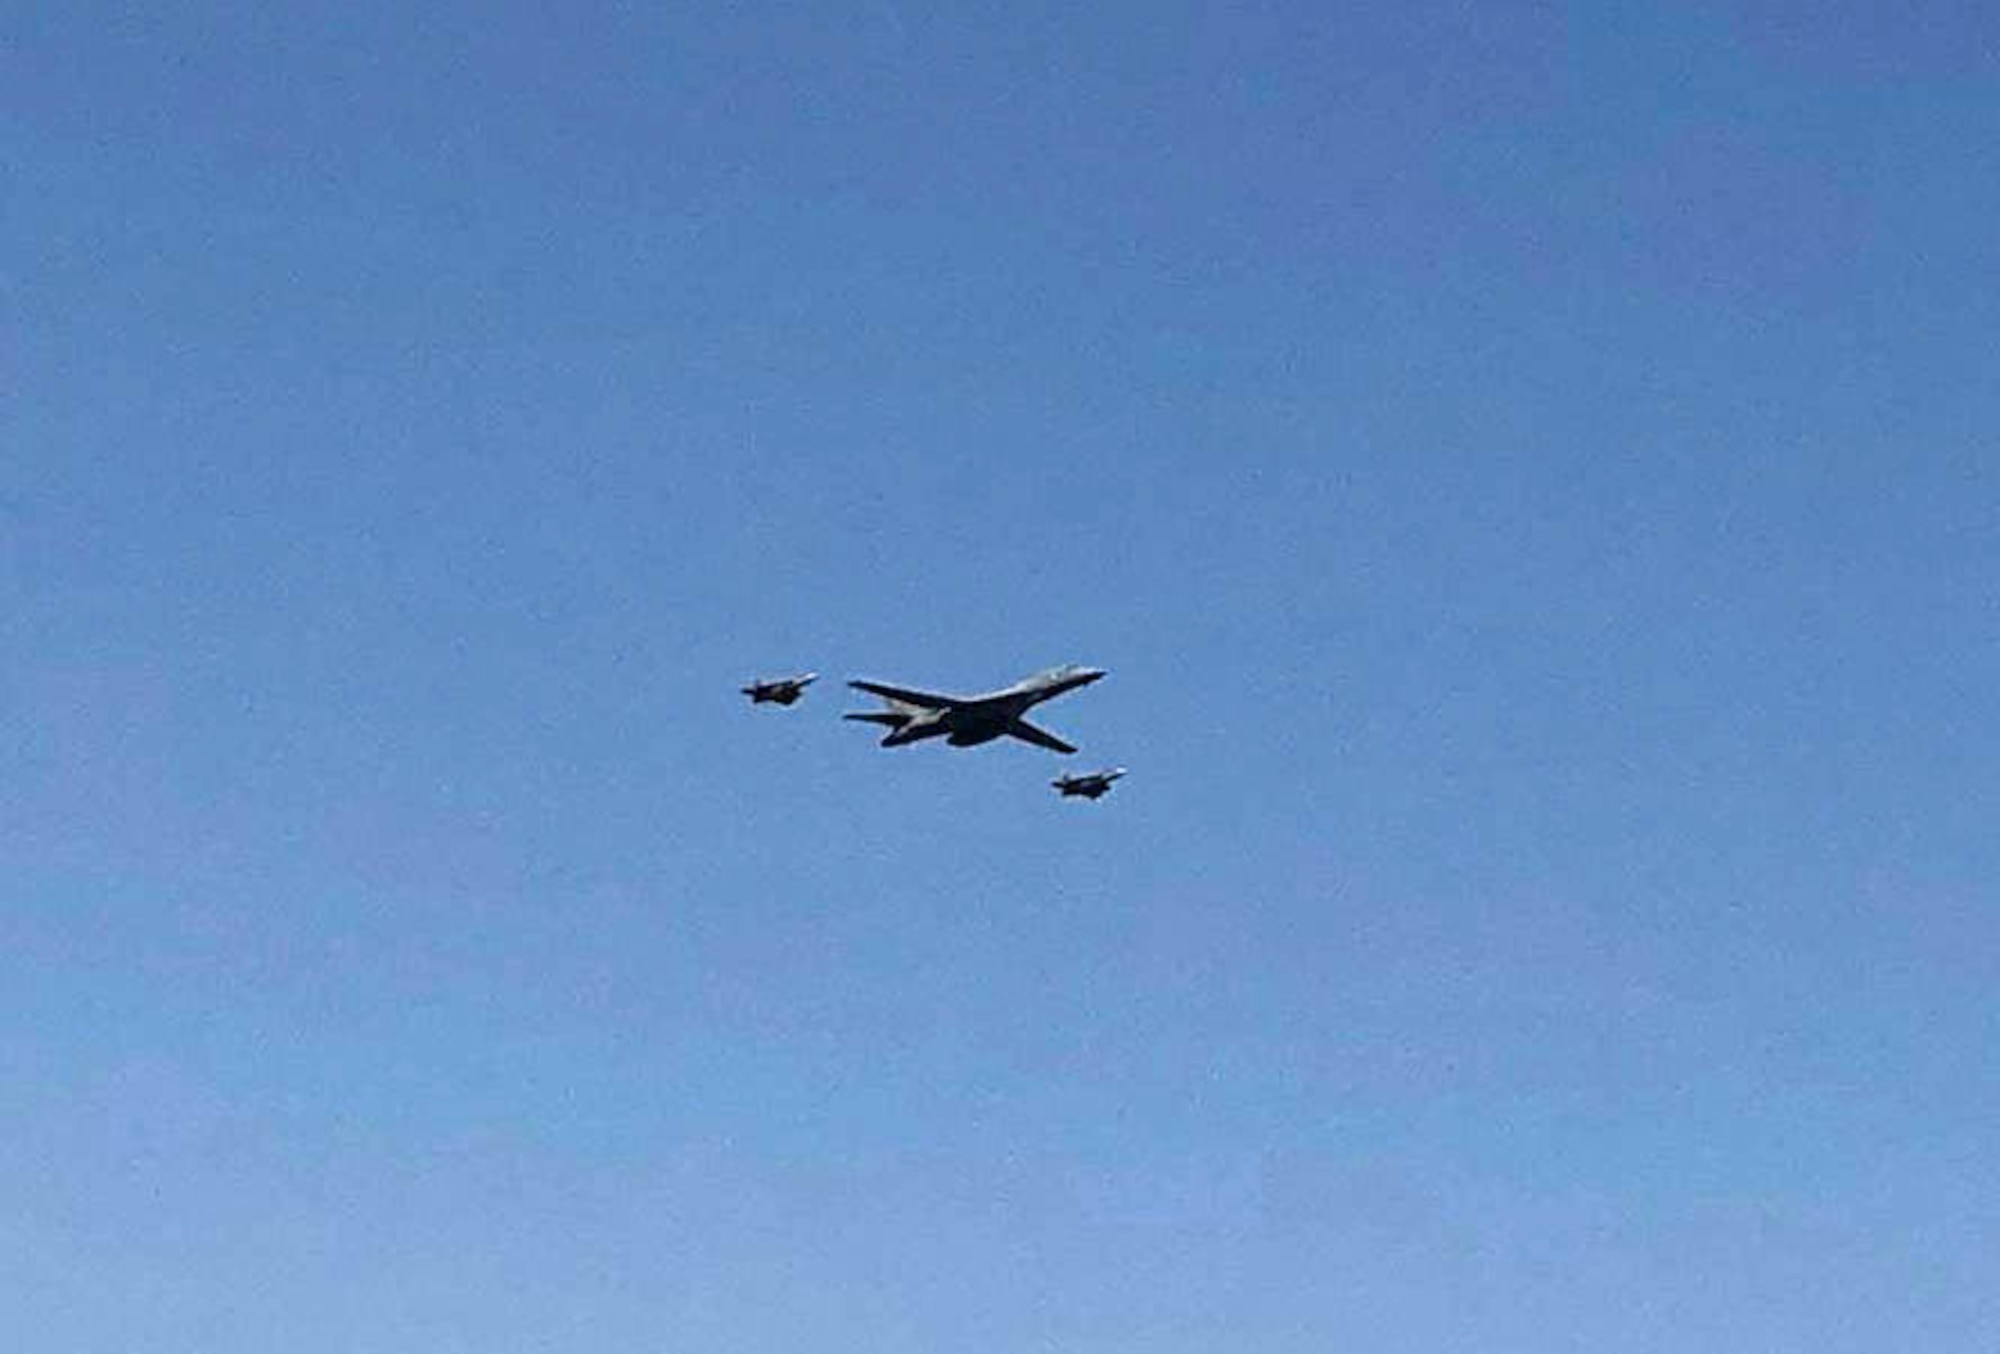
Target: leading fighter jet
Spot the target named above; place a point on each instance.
(964, 721)
(1091, 785)
(783, 690)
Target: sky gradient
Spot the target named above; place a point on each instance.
(1531, 476)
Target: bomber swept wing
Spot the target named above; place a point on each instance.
(903, 695)
(1040, 737)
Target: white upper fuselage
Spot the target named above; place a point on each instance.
(1032, 691)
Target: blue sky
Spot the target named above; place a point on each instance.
(1531, 476)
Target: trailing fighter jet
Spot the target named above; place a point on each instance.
(783, 690)
(967, 720)
(1091, 785)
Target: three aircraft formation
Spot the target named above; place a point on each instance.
(910, 716)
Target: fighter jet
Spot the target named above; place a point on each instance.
(964, 721)
(1092, 785)
(782, 690)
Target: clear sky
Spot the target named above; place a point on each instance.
(1533, 479)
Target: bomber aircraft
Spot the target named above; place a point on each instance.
(1091, 785)
(964, 721)
(782, 690)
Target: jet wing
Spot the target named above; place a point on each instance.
(922, 699)
(1041, 738)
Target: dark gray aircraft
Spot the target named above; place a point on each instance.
(964, 721)
(783, 690)
(1091, 785)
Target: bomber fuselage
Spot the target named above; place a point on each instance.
(967, 721)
